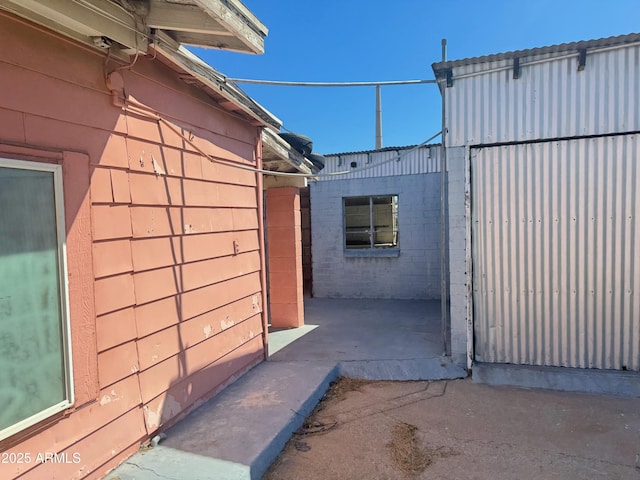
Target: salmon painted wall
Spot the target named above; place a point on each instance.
(164, 259)
(284, 249)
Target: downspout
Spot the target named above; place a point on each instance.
(263, 250)
(444, 271)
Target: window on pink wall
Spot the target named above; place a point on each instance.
(36, 379)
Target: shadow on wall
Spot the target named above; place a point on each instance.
(165, 309)
(213, 287)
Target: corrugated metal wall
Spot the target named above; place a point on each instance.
(381, 164)
(556, 254)
(549, 100)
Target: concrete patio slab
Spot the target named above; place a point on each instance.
(372, 339)
(238, 433)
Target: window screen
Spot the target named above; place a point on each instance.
(371, 222)
(34, 378)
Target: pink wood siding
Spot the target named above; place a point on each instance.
(165, 309)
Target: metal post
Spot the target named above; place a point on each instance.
(372, 227)
(444, 250)
(378, 119)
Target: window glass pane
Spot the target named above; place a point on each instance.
(385, 221)
(357, 222)
(32, 377)
(371, 222)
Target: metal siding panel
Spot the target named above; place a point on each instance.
(423, 160)
(551, 99)
(556, 264)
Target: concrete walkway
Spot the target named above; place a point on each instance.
(238, 433)
(369, 339)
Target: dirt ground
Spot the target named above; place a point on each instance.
(458, 429)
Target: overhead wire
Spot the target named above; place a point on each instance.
(148, 36)
(131, 104)
(159, 118)
(292, 174)
(328, 84)
(397, 158)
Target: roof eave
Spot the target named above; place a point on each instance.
(553, 50)
(279, 156)
(214, 83)
(238, 21)
(222, 24)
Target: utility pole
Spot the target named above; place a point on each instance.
(444, 237)
(378, 119)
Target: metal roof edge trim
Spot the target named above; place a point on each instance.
(562, 48)
(385, 149)
(205, 73)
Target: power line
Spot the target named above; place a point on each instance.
(328, 84)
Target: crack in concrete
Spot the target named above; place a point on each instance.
(149, 470)
(360, 413)
(580, 457)
(490, 443)
(435, 357)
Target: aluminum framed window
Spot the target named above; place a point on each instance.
(36, 378)
(371, 222)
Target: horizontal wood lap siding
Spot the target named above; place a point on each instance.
(176, 256)
(193, 253)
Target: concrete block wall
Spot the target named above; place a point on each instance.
(413, 274)
(459, 268)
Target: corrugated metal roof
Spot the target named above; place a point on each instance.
(385, 149)
(549, 50)
(384, 162)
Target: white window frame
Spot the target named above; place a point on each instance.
(64, 294)
(372, 249)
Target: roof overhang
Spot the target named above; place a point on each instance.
(222, 24)
(197, 72)
(161, 27)
(279, 156)
(448, 71)
(131, 25)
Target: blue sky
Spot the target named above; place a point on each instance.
(374, 40)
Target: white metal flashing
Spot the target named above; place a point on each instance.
(213, 81)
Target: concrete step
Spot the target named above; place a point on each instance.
(237, 434)
(241, 431)
(440, 368)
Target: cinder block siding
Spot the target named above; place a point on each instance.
(163, 313)
(458, 267)
(414, 274)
